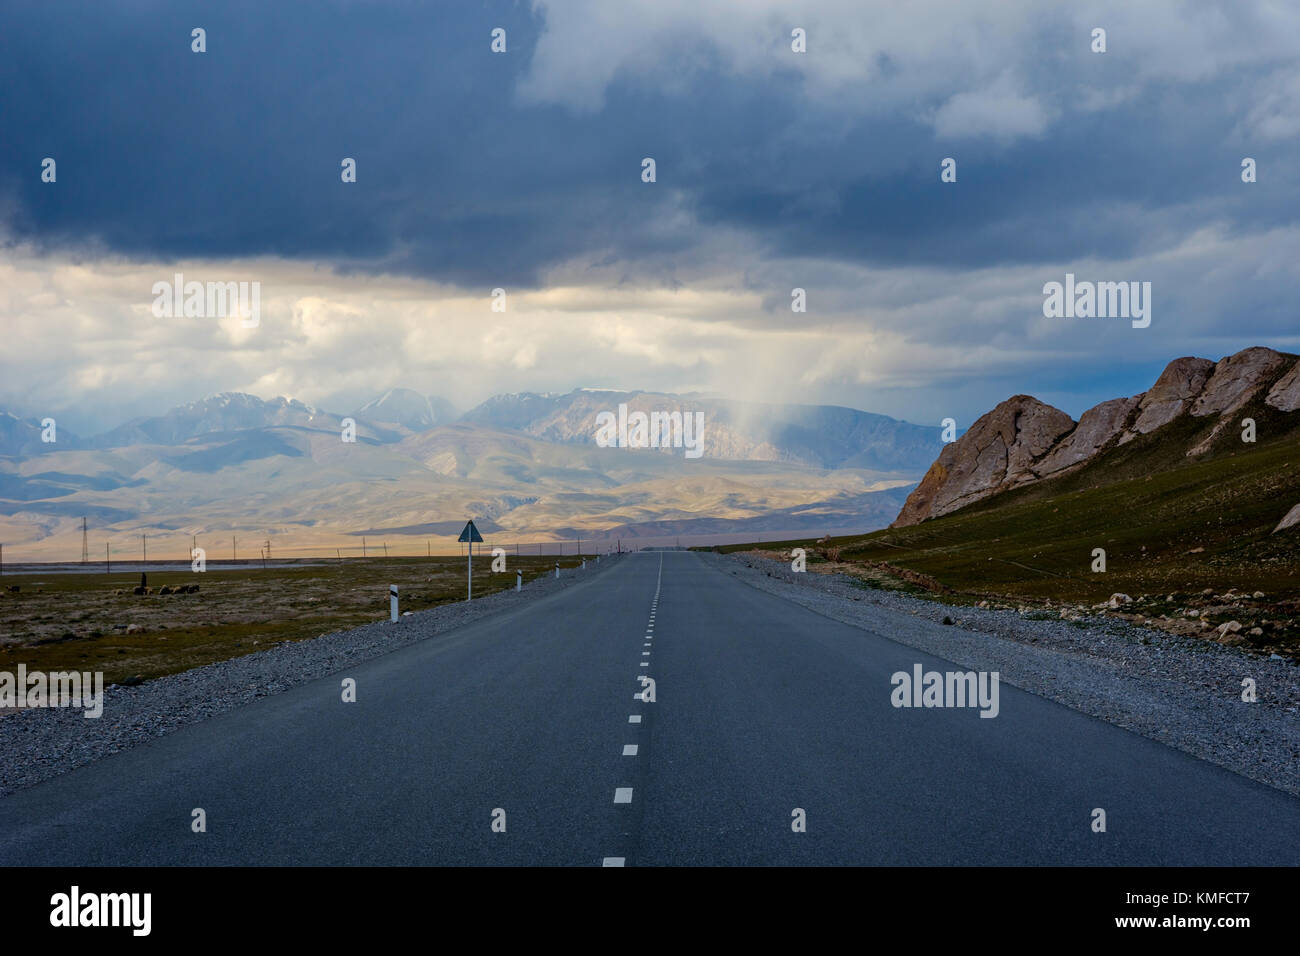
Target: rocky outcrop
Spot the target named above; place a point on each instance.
(1285, 395)
(1236, 380)
(1097, 426)
(998, 452)
(1024, 440)
(1176, 388)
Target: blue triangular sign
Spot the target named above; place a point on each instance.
(470, 533)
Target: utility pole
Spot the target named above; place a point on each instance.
(234, 555)
(363, 545)
(85, 544)
(385, 550)
(108, 562)
(144, 543)
(268, 551)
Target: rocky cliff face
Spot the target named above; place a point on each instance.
(1175, 389)
(1024, 440)
(1236, 380)
(1285, 395)
(998, 452)
(1097, 426)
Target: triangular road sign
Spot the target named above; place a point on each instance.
(470, 533)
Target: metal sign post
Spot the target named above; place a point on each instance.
(470, 535)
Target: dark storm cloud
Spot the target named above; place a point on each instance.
(165, 153)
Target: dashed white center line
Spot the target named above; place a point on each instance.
(624, 794)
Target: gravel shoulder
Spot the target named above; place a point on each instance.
(39, 743)
(1183, 692)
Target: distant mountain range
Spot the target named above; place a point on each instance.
(821, 436)
(407, 409)
(526, 464)
(391, 417)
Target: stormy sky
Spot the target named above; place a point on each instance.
(522, 170)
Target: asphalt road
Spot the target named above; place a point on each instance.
(761, 708)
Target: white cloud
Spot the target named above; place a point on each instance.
(998, 111)
(942, 61)
(892, 339)
(881, 54)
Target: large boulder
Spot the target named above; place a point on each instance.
(998, 452)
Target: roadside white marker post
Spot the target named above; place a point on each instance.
(519, 580)
(557, 569)
(392, 602)
(469, 535)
